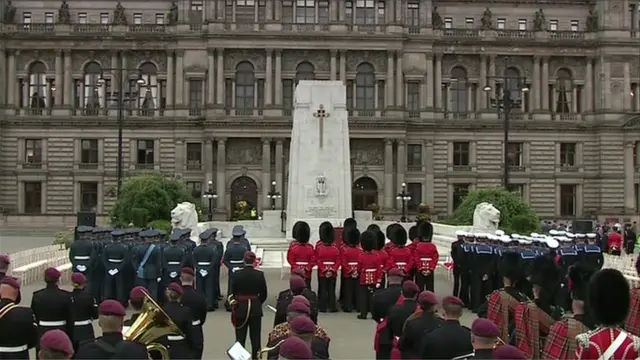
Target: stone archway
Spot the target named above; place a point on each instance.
(364, 192)
(244, 188)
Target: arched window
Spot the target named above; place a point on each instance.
(245, 84)
(513, 85)
(365, 87)
(148, 94)
(37, 90)
(458, 90)
(564, 91)
(305, 71)
(93, 93)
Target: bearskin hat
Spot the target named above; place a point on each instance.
(367, 240)
(326, 232)
(351, 236)
(399, 236)
(390, 231)
(544, 272)
(425, 231)
(608, 297)
(579, 275)
(380, 240)
(350, 222)
(509, 266)
(301, 232)
(373, 227)
(413, 232)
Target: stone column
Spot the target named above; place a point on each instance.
(266, 173)
(181, 157)
(390, 85)
(399, 12)
(269, 10)
(221, 176)
(171, 80)
(429, 174)
(402, 161)
(220, 77)
(59, 82)
(208, 160)
(544, 84)
(333, 7)
(430, 78)
(627, 86)
(13, 80)
(588, 86)
(399, 81)
(341, 11)
(279, 170)
(3, 71)
(343, 66)
(390, 12)
(438, 79)
(388, 174)
(333, 62)
(482, 95)
(211, 79)
(68, 79)
(278, 78)
(268, 81)
(535, 83)
(180, 77)
(629, 171)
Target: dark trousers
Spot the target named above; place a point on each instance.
(217, 283)
(479, 290)
(384, 352)
(97, 283)
(615, 252)
(326, 293)
(365, 299)
(349, 301)
(457, 274)
(150, 284)
(15, 356)
(424, 282)
(254, 327)
(465, 287)
(205, 286)
(308, 282)
(114, 288)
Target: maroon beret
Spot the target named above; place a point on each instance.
(427, 298)
(294, 348)
(301, 299)
(52, 273)
(188, 271)
(452, 300)
(409, 288)
(508, 352)
(5, 259)
(484, 328)
(302, 325)
(137, 293)
(396, 272)
(58, 341)
(78, 278)
(296, 283)
(111, 308)
(249, 257)
(299, 308)
(175, 287)
(11, 281)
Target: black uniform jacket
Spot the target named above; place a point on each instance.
(414, 330)
(249, 282)
(383, 301)
(284, 299)
(181, 316)
(197, 305)
(84, 309)
(111, 346)
(18, 329)
(398, 315)
(449, 341)
(483, 354)
(53, 304)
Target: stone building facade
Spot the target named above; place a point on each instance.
(207, 93)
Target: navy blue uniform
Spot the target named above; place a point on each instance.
(115, 258)
(147, 263)
(82, 254)
(234, 260)
(174, 259)
(483, 265)
(205, 259)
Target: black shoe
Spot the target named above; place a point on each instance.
(362, 317)
(322, 310)
(333, 310)
(347, 310)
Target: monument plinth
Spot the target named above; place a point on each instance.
(319, 160)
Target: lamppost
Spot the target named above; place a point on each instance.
(120, 106)
(405, 197)
(506, 98)
(273, 195)
(211, 195)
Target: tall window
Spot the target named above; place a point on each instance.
(323, 11)
(522, 24)
(33, 153)
(196, 9)
(146, 152)
(461, 154)
(148, 94)
(413, 98)
(365, 87)
(515, 152)
(574, 25)
(37, 90)
(414, 157)
(33, 197)
(516, 188)
(245, 11)
(159, 19)
(568, 154)
(88, 196)
(513, 85)
(553, 25)
(459, 193)
(458, 90)
(305, 11)
(287, 96)
(195, 97)
(564, 91)
(245, 87)
(567, 200)
(195, 187)
(415, 189)
(365, 12)
(413, 14)
(89, 152)
(48, 18)
(104, 18)
(93, 93)
(305, 71)
(137, 19)
(501, 24)
(194, 156)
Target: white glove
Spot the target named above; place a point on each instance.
(235, 269)
(159, 279)
(81, 268)
(173, 274)
(203, 272)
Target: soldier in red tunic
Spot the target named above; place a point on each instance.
(340, 243)
(632, 324)
(425, 256)
(383, 256)
(328, 260)
(608, 300)
(369, 272)
(302, 256)
(400, 257)
(349, 265)
(390, 232)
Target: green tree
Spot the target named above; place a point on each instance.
(149, 197)
(516, 216)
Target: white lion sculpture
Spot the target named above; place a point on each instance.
(185, 216)
(486, 218)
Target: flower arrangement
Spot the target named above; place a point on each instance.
(375, 211)
(424, 212)
(242, 211)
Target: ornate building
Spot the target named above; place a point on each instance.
(207, 94)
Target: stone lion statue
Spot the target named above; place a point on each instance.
(185, 216)
(486, 218)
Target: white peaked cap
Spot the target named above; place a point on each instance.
(569, 235)
(460, 233)
(617, 225)
(505, 239)
(534, 235)
(561, 232)
(515, 236)
(553, 232)
(579, 235)
(553, 243)
(499, 232)
(591, 235)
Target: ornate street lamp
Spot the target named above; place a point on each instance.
(273, 195)
(211, 195)
(405, 197)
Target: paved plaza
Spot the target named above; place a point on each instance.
(351, 338)
(17, 239)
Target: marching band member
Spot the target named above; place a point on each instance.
(19, 333)
(197, 304)
(615, 240)
(451, 340)
(302, 327)
(370, 273)
(282, 331)
(400, 256)
(296, 287)
(55, 345)
(418, 324)
(349, 265)
(390, 232)
(425, 257)
(180, 346)
(301, 255)
(85, 310)
(136, 299)
(484, 336)
(294, 348)
(52, 306)
(328, 260)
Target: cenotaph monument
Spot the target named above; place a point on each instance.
(319, 160)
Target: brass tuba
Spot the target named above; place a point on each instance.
(263, 354)
(152, 323)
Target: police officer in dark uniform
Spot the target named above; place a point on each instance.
(197, 304)
(419, 324)
(82, 253)
(52, 306)
(115, 257)
(147, 262)
(19, 333)
(174, 258)
(111, 344)
(181, 346)
(248, 293)
(204, 261)
(85, 310)
(450, 340)
(233, 257)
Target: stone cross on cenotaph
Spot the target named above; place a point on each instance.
(319, 183)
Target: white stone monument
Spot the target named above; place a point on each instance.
(319, 158)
